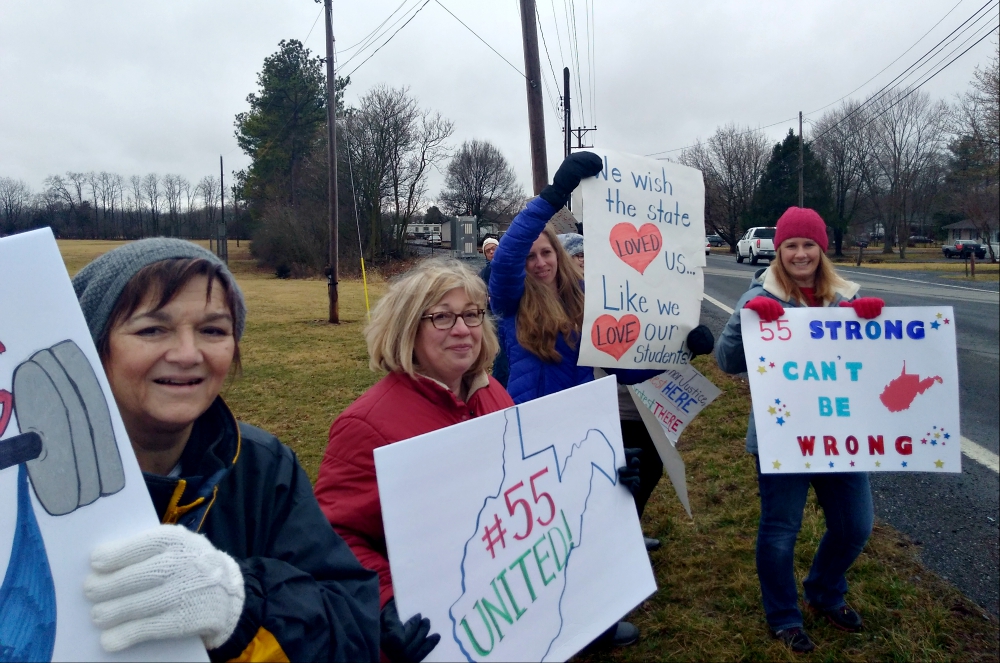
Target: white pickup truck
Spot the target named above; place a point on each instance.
(755, 244)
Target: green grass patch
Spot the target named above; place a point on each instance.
(300, 372)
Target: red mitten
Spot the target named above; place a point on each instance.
(866, 307)
(768, 309)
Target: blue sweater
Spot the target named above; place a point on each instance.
(530, 376)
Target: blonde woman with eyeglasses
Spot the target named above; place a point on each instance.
(431, 335)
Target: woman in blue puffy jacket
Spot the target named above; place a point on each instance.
(536, 290)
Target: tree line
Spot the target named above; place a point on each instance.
(103, 205)
(888, 167)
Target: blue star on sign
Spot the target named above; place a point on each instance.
(933, 443)
(947, 436)
(762, 359)
(781, 421)
(777, 401)
(935, 324)
(831, 463)
(904, 463)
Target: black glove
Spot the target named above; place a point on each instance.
(628, 474)
(700, 341)
(405, 643)
(573, 169)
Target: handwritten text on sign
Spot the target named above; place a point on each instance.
(675, 397)
(836, 393)
(644, 237)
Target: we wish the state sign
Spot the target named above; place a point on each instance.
(836, 393)
(644, 238)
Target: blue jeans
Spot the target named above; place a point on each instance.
(846, 500)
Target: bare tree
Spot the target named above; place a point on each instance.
(15, 200)
(208, 190)
(481, 182)
(173, 186)
(137, 194)
(154, 196)
(732, 162)
(842, 146)
(392, 144)
(908, 129)
(974, 182)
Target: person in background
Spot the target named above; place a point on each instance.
(490, 245)
(500, 371)
(537, 290)
(431, 335)
(244, 557)
(573, 243)
(802, 275)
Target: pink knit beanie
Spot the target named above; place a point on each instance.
(801, 222)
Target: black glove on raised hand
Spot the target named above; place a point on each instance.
(628, 474)
(700, 341)
(573, 169)
(405, 643)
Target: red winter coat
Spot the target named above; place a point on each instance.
(396, 408)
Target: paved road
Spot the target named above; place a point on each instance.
(952, 517)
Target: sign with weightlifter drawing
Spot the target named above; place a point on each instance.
(836, 393)
(644, 238)
(68, 477)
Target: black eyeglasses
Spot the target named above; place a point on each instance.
(446, 319)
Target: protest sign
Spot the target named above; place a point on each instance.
(644, 238)
(68, 477)
(675, 397)
(510, 531)
(835, 393)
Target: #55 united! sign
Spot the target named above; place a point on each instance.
(835, 393)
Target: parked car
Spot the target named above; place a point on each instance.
(708, 247)
(755, 244)
(919, 239)
(715, 240)
(434, 240)
(863, 243)
(963, 248)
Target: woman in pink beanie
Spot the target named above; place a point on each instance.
(802, 275)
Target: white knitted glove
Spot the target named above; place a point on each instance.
(165, 583)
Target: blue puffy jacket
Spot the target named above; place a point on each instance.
(530, 376)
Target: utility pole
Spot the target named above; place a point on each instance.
(331, 152)
(567, 132)
(533, 82)
(801, 192)
(221, 241)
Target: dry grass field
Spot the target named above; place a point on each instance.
(299, 372)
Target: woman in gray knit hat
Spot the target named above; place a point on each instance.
(244, 558)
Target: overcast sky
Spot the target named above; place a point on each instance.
(134, 88)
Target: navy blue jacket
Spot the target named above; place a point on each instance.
(307, 596)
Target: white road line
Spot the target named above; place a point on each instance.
(715, 301)
(976, 452)
(980, 454)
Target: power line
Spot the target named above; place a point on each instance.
(912, 46)
(376, 29)
(478, 37)
(426, 2)
(551, 68)
(742, 133)
(889, 87)
(408, 15)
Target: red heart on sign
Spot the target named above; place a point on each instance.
(615, 336)
(636, 248)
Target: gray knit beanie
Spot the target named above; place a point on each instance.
(99, 285)
(572, 242)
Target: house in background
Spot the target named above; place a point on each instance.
(964, 230)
